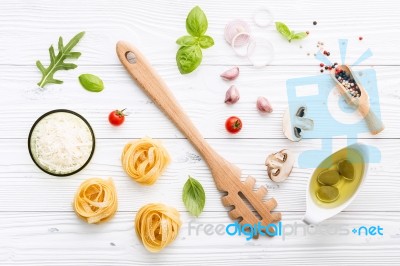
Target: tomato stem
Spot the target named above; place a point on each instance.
(121, 113)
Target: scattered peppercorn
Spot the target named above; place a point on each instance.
(307, 32)
(360, 38)
(314, 23)
(321, 65)
(322, 71)
(326, 67)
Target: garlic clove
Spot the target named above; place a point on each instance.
(232, 95)
(230, 74)
(263, 105)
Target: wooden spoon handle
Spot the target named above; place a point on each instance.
(375, 125)
(148, 79)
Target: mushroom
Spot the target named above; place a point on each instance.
(280, 165)
(294, 124)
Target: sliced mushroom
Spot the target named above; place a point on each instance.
(294, 124)
(280, 165)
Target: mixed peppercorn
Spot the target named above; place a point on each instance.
(348, 82)
(326, 67)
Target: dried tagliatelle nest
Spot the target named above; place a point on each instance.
(96, 200)
(145, 160)
(157, 225)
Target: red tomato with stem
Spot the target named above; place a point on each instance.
(117, 117)
(233, 124)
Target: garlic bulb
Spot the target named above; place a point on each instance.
(232, 95)
(263, 105)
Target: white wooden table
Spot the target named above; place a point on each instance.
(37, 223)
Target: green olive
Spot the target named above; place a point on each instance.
(346, 169)
(328, 177)
(327, 194)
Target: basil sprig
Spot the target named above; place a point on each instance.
(194, 196)
(189, 55)
(284, 30)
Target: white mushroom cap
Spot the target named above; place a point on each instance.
(280, 165)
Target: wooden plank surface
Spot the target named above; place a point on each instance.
(58, 238)
(201, 94)
(37, 224)
(154, 27)
(20, 175)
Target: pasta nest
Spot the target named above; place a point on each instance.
(96, 200)
(157, 225)
(145, 160)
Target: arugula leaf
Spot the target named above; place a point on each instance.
(187, 41)
(91, 82)
(196, 22)
(206, 41)
(57, 61)
(287, 33)
(188, 58)
(193, 196)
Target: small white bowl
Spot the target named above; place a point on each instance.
(316, 213)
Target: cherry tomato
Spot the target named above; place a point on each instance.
(233, 124)
(117, 117)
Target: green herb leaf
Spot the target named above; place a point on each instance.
(299, 36)
(57, 61)
(188, 58)
(288, 34)
(91, 82)
(187, 41)
(196, 22)
(193, 196)
(283, 29)
(206, 41)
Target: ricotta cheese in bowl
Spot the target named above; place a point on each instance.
(61, 142)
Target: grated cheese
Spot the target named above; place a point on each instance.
(61, 143)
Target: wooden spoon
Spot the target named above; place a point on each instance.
(226, 175)
(374, 124)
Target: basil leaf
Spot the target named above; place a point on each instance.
(196, 22)
(288, 34)
(283, 29)
(91, 82)
(206, 41)
(188, 58)
(193, 196)
(299, 36)
(187, 41)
